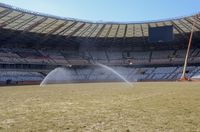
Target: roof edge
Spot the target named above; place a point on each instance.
(93, 22)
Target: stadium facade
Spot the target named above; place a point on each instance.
(32, 44)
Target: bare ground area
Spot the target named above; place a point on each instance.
(101, 107)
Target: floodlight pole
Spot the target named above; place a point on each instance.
(183, 77)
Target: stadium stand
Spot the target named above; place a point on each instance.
(16, 77)
(33, 44)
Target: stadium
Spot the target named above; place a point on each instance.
(88, 63)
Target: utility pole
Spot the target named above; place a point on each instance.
(183, 77)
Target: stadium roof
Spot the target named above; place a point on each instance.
(13, 18)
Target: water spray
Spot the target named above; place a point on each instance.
(115, 72)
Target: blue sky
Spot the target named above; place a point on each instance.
(111, 10)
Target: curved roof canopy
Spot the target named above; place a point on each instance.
(17, 19)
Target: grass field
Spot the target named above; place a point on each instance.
(101, 107)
